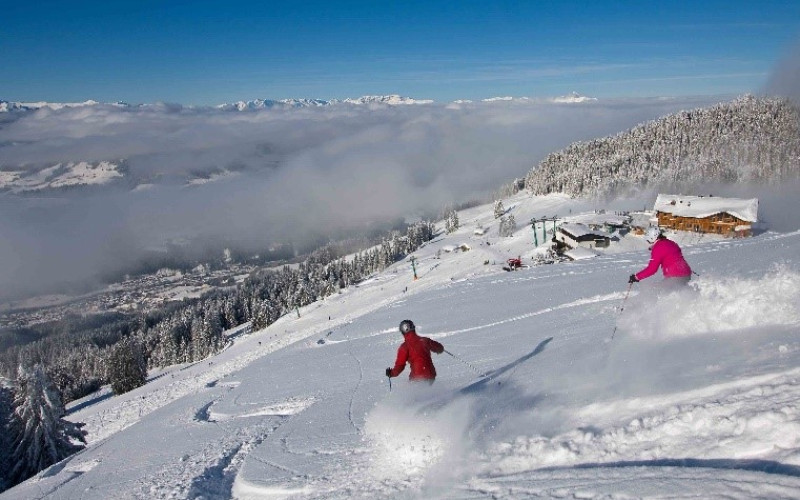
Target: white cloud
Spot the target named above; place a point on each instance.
(300, 172)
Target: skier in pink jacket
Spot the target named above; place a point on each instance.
(665, 254)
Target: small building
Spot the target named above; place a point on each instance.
(580, 235)
(730, 217)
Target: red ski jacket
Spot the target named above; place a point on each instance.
(417, 350)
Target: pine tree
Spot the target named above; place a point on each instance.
(451, 223)
(42, 436)
(6, 413)
(127, 367)
(499, 209)
(507, 225)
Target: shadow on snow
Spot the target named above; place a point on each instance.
(753, 465)
(481, 384)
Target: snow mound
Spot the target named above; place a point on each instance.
(287, 408)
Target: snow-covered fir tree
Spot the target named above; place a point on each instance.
(507, 225)
(127, 366)
(499, 209)
(6, 441)
(41, 436)
(451, 223)
(509, 189)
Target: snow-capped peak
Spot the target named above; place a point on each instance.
(272, 103)
(572, 98)
(392, 100)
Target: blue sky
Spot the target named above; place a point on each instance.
(204, 52)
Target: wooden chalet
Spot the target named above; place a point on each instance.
(730, 217)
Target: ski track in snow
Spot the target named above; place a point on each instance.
(215, 468)
(521, 317)
(581, 302)
(353, 395)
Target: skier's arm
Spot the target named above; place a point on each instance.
(435, 346)
(655, 262)
(400, 363)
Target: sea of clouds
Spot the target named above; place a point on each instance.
(211, 178)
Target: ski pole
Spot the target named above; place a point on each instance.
(465, 362)
(621, 308)
(390, 384)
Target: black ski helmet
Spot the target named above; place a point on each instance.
(407, 326)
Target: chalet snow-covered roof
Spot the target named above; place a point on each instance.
(581, 230)
(598, 219)
(643, 219)
(706, 206)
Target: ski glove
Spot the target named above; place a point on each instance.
(633, 279)
(389, 372)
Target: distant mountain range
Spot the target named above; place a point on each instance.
(258, 104)
(391, 100)
(7, 107)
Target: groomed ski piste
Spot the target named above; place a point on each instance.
(697, 395)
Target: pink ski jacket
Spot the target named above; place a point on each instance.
(668, 255)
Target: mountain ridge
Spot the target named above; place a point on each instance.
(748, 139)
(290, 103)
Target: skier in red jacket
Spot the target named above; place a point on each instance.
(416, 351)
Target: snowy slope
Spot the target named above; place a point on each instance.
(61, 175)
(697, 395)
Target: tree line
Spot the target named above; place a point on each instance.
(746, 140)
